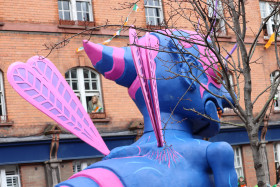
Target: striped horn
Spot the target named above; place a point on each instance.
(114, 63)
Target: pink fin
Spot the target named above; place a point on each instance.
(41, 84)
(152, 76)
(144, 74)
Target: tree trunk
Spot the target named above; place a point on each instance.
(260, 161)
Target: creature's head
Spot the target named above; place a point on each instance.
(184, 73)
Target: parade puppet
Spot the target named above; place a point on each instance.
(170, 82)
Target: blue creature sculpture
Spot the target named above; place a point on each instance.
(184, 82)
(183, 160)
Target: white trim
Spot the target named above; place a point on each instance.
(276, 151)
(238, 161)
(277, 94)
(4, 176)
(2, 97)
(3, 182)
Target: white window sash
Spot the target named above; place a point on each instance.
(238, 168)
(73, 9)
(160, 12)
(4, 177)
(277, 95)
(265, 10)
(277, 150)
(2, 95)
(219, 14)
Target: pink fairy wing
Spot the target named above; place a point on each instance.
(143, 75)
(41, 84)
(151, 71)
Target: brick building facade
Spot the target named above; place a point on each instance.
(26, 134)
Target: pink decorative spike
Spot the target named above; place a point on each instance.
(152, 76)
(144, 73)
(41, 84)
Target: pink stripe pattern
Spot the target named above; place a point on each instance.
(118, 64)
(103, 177)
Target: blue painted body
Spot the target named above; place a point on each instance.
(183, 161)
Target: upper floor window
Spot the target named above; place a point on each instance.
(276, 97)
(216, 16)
(238, 161)
(153, 12)
(2, 100)
(80, 10)
(266, 8)
(85, 82)
(9, 176)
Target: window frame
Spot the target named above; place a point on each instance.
(236, 167)
(82, 93)
(3, 175)
(74, 12)
(276, 153)
(230, 111)
(2, 99)
(277, 94)
(269, 23)
(147, 16)
(221, 22)
(83, 164)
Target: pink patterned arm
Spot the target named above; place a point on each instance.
(143, 73)
(41, 84)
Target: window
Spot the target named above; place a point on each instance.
(230, 111)
(80, 165)
(9, 176)
(2, 100)
(220, 23)
(85, 82)
(75, 10)
(238, 161)
(276, 97)
(266, 8)
(276, 150)
(154, 12)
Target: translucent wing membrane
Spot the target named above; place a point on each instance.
(146, 74)
(41, 84)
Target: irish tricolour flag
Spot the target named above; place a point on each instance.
(135, 8)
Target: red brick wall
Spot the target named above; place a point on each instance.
(32, 175)
(66, 170)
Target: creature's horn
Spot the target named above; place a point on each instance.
(114, 63)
